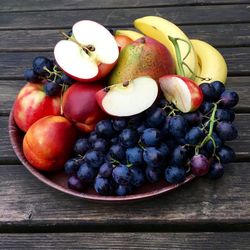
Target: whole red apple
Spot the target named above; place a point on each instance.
(32, 104)
(48, 143)
(80, 106)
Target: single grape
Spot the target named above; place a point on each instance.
(65, 79)
(71, 166)
(128, 138)
(208, 91)
(177, 126)
(103, 186)
(206, 107)
(106, 170)
(193, 118)
(120, 123)
(179, 156)
(156, 117)
(165, 126)
(141, 128)
(153, 174)
(123, 190)
(100, 145)
(52, 88)
(151, 137)
(122, 174)
(94, 158)
(40, 64)
(134, 155)
(117, 152)
(75, 184)
(114, 140)
(162, 103)
(153, 157)
(31, 76)
(164, 149)
(226, 131)
(138, 176)
(216, 171)
(135, 120)
(81, 146)
(209, 146)
(86, 173)
(228, 99)
(199, 165)
(194, 136)
(175, 174)
(219, 87)
(92, 137)
(227, 115)
(226, 154)
(105, 129)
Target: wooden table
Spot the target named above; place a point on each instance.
(200, 215)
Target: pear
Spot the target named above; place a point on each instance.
(144, 57)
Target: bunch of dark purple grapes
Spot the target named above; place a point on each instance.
(46, 71)
(160, 143)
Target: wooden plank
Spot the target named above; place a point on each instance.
(27, 205)
(206, 240)
(38, 5)
(124, 17)
(12, 64)
(241, 145)
(10, 88)
(45, 40)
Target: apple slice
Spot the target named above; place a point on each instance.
(184, 93)
(89, 54)
(128, 98)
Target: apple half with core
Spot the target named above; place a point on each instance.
(89, 54)
(184, 93)
(128, 98)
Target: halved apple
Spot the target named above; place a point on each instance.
(184, 93)
(128, 98)
(89, 54)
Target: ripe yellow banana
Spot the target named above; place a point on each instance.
(159, 29)
(133, 35)
(211, 62)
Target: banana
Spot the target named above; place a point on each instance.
(133, 35)
(159, 29)
(211, 62)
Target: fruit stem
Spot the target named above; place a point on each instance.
(211, 127)
(179, 66)
(189, 47)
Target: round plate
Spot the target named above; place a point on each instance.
(58, 180)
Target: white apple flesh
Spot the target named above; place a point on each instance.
(182, 92)
(90, 54)
(129, 98)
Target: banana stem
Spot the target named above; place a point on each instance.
(179, 69)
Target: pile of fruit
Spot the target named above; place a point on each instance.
(118, 109)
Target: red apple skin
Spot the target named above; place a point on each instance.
(48, 143)
(103, 70)
(122, 41)
(195, 90)
(80, 106)
(32, 104)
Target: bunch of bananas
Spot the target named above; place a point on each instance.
(201, 61)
